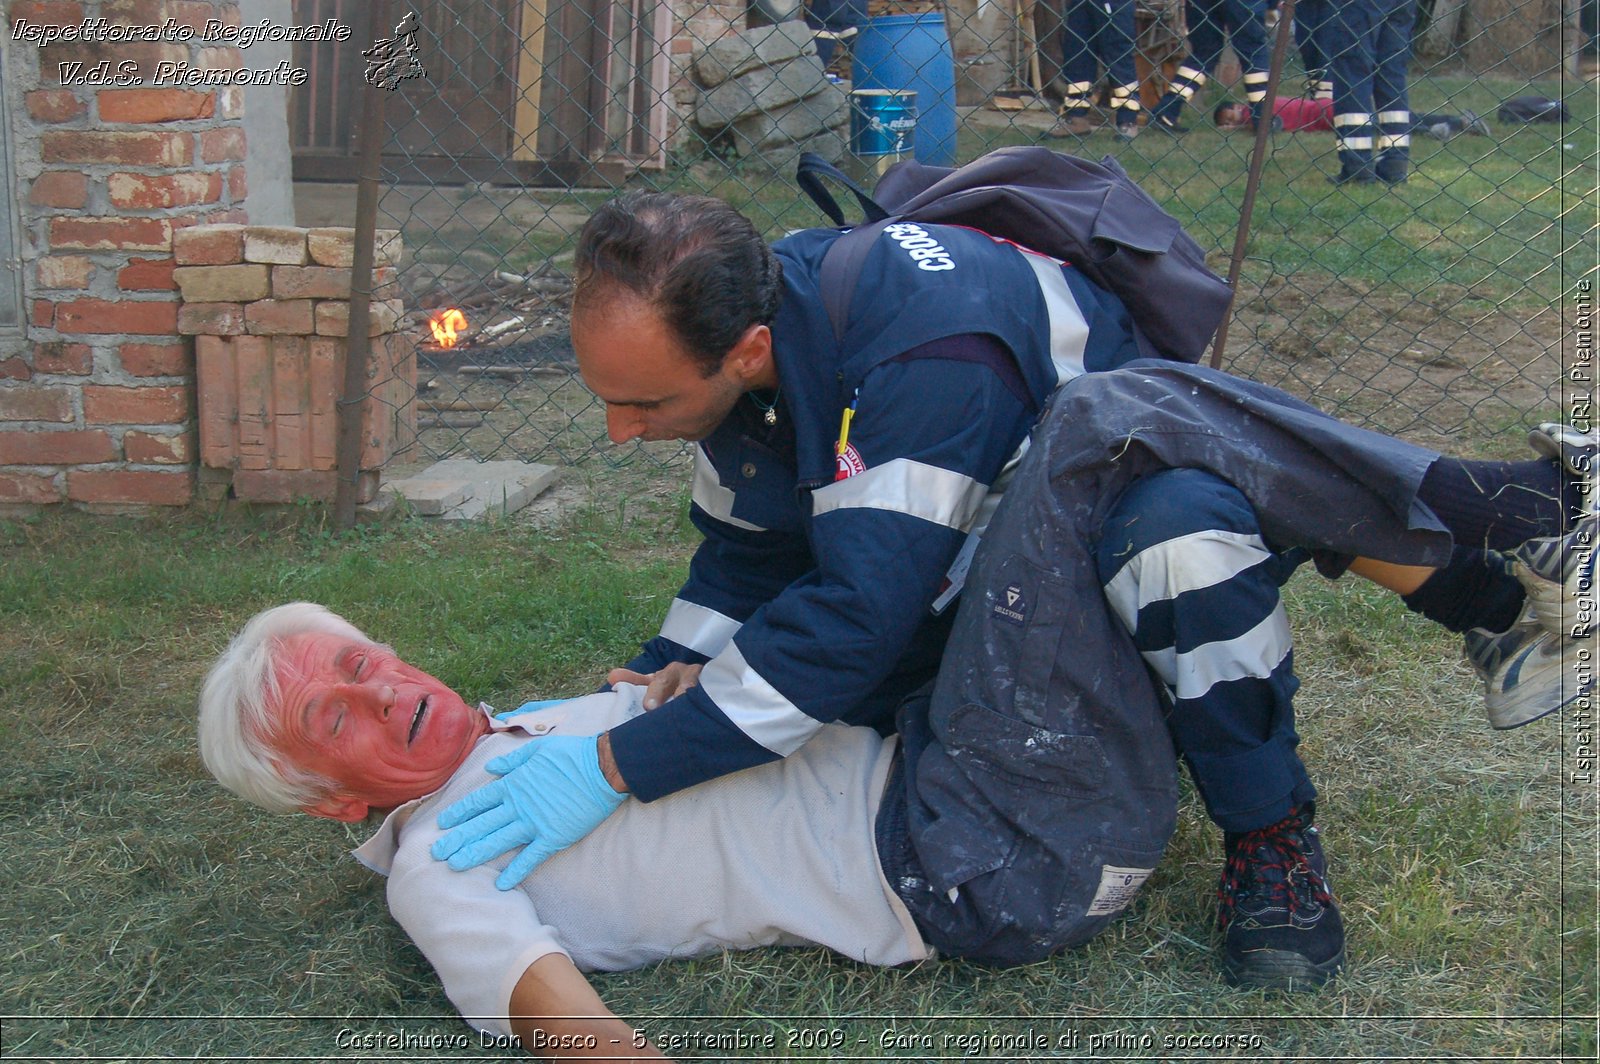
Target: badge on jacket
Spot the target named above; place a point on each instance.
(848, 463)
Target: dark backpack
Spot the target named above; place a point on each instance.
(1089, 214)
(1533, 109)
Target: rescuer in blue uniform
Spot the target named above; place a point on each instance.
(1212, 25)
(1096, 32)
(1367, 45)
(843, 488)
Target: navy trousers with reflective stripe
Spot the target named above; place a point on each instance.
(1213, 23)
(1367, 44)
(1095, 32)
(1186, 570)
(1309, 15)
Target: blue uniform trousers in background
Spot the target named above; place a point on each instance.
(1097, 32)
(1367, 44)
(1212, 25)
(1308, 18)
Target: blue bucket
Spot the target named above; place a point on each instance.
(882, 122)
(911, 53)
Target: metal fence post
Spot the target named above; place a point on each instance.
(1252, 184)
(358, 345)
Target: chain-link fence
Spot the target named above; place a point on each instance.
(1448, 307)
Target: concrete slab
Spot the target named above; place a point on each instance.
(497, 488)
(431, 496)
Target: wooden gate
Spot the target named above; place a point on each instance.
(536, 92)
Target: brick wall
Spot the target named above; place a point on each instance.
(97, 406)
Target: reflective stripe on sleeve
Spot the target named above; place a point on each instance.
(997, 490)
(753, 705)
(908, 487)
(956, 576)
(709, 494)
(700, 628)
(1069, 331)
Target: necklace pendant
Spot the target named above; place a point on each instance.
(770, 416)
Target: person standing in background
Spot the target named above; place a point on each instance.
(1308, 18)
(1212, 24)
(1096, 33)
(1367, 44)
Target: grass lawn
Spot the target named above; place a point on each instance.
(142, 907)
(1484, 212)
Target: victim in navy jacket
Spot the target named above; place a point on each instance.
(819, 593)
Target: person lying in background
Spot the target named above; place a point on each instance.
(1298, 115)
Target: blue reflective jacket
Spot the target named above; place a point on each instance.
(819, 593)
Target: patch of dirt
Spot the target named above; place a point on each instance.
(1449, 370)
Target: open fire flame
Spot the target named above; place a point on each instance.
(445, 325)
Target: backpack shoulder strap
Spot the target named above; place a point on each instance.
(841, 268)
(809, 174)
(841, 263)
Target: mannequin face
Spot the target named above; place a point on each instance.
(383, 731)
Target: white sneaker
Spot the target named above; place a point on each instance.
(1528, 673)
(1558, 573)
(1575, 451)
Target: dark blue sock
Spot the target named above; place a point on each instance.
(1498, 505)
(1475, 589)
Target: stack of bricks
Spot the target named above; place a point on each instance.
(96, 405)
(269, 309)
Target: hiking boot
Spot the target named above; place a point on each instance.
(1558, 574)
(1071, 126)
(1575, 451)
(1281, 928)
(1527, 672)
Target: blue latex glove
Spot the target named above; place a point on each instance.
(551, 794)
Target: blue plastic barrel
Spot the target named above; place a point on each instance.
(912, 53)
